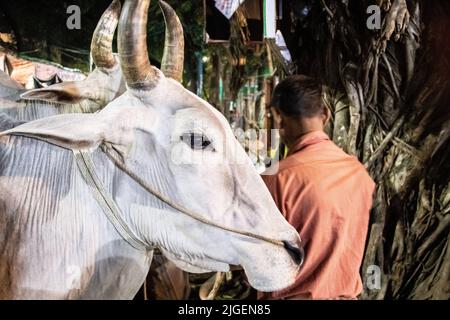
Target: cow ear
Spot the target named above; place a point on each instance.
(66, 93)
(113, 126)
(71, 131)
(9, 83)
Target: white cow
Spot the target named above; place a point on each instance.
(85, 198)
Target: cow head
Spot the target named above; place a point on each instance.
(186, 150)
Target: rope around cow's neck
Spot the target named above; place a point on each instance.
(179, 208)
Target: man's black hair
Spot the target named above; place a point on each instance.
(298, 95)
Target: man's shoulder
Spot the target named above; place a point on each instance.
(305, 165)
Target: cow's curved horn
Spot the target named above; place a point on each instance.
(173, 57)
(101, 44)
(132, 43)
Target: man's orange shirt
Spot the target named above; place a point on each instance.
(327, 196)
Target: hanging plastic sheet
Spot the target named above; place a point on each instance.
(228, 7)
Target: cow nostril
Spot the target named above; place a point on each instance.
(297, 253)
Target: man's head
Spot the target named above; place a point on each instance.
(298, 108)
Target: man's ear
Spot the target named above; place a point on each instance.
(70, 92)
(277, 117)
(326, 115)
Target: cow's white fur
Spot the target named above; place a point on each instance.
(62, 226)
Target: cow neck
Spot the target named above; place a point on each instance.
(105, 200)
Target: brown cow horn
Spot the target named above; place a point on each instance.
(173, 57)
(101, 45)
(132, 43)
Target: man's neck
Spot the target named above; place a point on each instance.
(306, 127)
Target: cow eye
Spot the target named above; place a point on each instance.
(196, 141)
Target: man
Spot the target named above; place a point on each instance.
(323, 192)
